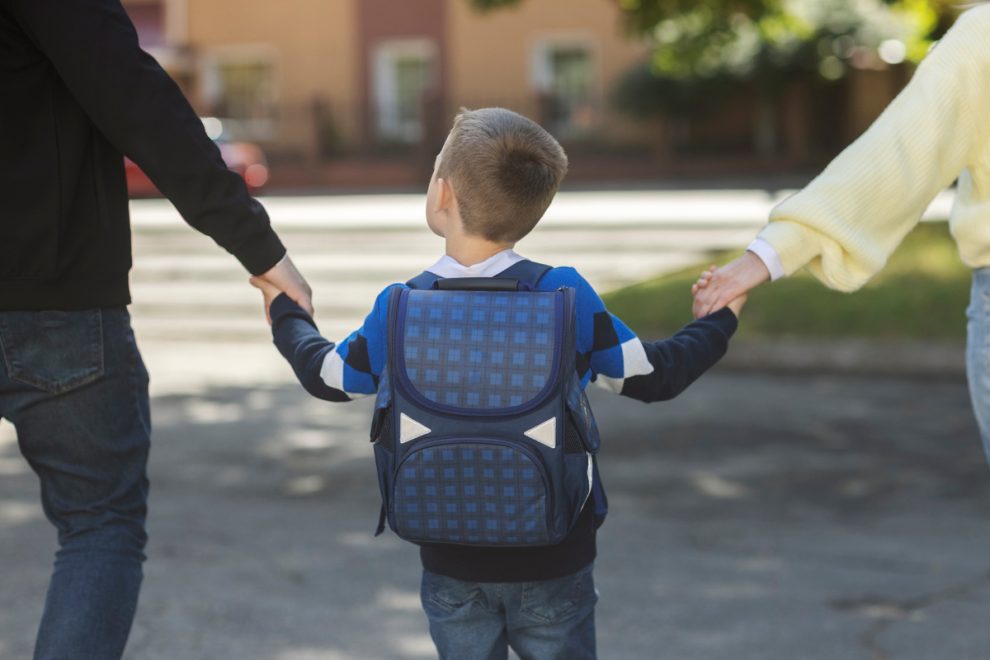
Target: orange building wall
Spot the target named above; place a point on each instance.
(491, 53)
(318, 44)
(315, 47)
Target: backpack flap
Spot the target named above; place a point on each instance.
(478, 353)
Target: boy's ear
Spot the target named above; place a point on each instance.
(445, 195)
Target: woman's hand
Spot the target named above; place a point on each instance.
(718, 287)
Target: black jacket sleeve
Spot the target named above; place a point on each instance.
(94, 48)
(681, 359)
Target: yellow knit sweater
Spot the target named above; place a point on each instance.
(845, 224)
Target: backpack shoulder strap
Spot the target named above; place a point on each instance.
(424, 280)
(526, 271)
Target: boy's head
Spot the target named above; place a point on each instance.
(502, 171)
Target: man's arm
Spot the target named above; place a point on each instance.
(94, 48)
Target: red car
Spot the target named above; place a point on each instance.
(245, 158)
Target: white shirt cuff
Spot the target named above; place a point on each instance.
(761, 248)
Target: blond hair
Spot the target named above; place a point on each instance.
(505, 170)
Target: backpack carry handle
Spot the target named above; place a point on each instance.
(477, 284)
(523, 276)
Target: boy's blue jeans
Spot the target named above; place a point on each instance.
(75, 388)
(546, 620)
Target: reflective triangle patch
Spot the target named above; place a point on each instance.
(545, 433)
(410, 429)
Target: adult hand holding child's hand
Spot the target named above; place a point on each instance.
(286, 278)
(720, 287)
(701, 287)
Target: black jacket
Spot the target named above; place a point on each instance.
(76, 93)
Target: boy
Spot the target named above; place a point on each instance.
(493, 180)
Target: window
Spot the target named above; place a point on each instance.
(403, 72)
(564, 75)
(240, 88)
(246, 90)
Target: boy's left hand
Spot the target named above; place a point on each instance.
(736, 305)
(269, 291)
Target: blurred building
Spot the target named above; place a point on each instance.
(361, 92)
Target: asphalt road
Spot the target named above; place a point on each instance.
(763, 517)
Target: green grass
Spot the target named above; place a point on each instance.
(921, 294)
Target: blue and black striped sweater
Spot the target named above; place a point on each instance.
(608, 352)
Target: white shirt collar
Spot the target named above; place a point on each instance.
(490, 267)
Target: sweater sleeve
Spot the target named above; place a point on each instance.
(616, 359)
(94, 49)
(681, 359)
(846, 223)
(327, 370)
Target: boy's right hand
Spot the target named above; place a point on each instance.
(269, 291)
(735, 305)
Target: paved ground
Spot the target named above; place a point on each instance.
(759, 516)
(764, 517)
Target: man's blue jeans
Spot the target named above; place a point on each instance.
(75, 388)
(546, 620)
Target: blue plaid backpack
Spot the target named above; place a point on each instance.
(482, 432)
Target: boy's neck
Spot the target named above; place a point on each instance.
(469, 250)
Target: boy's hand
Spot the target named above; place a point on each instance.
(735, 305)
(269, 291)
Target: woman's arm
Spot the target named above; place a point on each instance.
(845, 224)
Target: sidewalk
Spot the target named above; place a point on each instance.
(705, 209)
(816, 509)
(757, 517)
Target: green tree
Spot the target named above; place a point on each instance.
(758, 38)
(702, 46)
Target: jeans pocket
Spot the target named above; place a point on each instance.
(447, 594)
(54, 351)
(553, 601)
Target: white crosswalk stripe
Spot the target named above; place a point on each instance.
(185, 289)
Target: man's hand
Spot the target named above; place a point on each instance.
(285, 278)
(721, 287)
